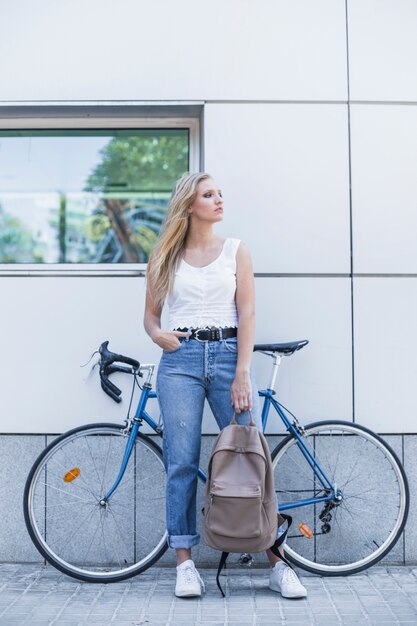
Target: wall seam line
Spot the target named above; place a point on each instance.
(403, 464)
(197, 102)
(350, 213)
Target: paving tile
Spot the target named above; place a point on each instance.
(378, 597)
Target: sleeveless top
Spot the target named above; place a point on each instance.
(205, 296)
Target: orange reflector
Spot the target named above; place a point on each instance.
(305, 530)
(72, 475)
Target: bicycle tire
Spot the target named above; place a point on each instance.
(63, 515)
(367, 523)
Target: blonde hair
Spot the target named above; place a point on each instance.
(169, 249)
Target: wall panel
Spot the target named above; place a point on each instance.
(139, 50)
(49, 339)
(385, 310)
(315, 383)
(384, 188)
(17, 453)
(284, 170)
(382, 50)
(53, 326)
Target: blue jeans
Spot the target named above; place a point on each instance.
(186, 376)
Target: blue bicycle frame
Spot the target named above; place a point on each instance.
(268, 395)
(297, 431)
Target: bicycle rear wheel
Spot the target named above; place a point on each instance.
(354, 533)
(62, 507)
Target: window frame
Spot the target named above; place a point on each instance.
(93, 122)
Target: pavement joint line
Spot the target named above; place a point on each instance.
(20, 595)
(45, 598)
(77, 588)
(329, 595)
(99, 593)
(148, 598)
(199, 608)
(362, 603)
(253, 599)
(385, 603)
(124, 595)
(409, 597)
(358, 598)
(226, 599)
(171, 610)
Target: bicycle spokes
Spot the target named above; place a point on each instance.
(341, 518)
(72, 523)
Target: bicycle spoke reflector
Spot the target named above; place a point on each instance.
(72, 475)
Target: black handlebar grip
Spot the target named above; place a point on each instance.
(111, 369)
(111, 393)
(110, 385)
(110, 357)
(107, 358)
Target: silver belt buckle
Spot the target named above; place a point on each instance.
(196, 335)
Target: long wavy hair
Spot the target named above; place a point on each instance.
(169, 249)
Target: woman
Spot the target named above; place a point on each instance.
(208, 285)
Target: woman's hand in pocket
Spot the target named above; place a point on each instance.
(168, 339)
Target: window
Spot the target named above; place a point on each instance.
(87, 196)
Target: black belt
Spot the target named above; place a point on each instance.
(210, 334)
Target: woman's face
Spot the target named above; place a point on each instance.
(208, 204)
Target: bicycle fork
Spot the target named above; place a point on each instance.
(133, 424)
(128, 451)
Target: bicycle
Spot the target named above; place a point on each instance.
(94, 498)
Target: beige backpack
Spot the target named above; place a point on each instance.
(240, 512)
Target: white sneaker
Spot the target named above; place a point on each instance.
(189, 582)
(284, 580)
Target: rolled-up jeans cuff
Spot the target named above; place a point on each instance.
(183, 541)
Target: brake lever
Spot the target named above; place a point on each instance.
(93, 366)
(92, 354)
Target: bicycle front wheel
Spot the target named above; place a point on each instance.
(355, 532)
(65, 519)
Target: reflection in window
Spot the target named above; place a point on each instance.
(86, 196)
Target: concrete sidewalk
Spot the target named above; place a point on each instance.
(34, 594)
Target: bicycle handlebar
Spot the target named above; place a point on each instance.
(108, 358)
(107, 367)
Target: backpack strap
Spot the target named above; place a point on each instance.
(222, 563)
(251, 423)
(281, 539)
(273, 548)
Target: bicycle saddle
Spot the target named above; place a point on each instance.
(282, 348)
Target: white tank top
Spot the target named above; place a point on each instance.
(205, 296)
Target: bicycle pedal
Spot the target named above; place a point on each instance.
(305, 530)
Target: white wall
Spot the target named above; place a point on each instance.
(384, 188)
(281, 136)
(288, 190)
(181, 50)
(382, 50)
